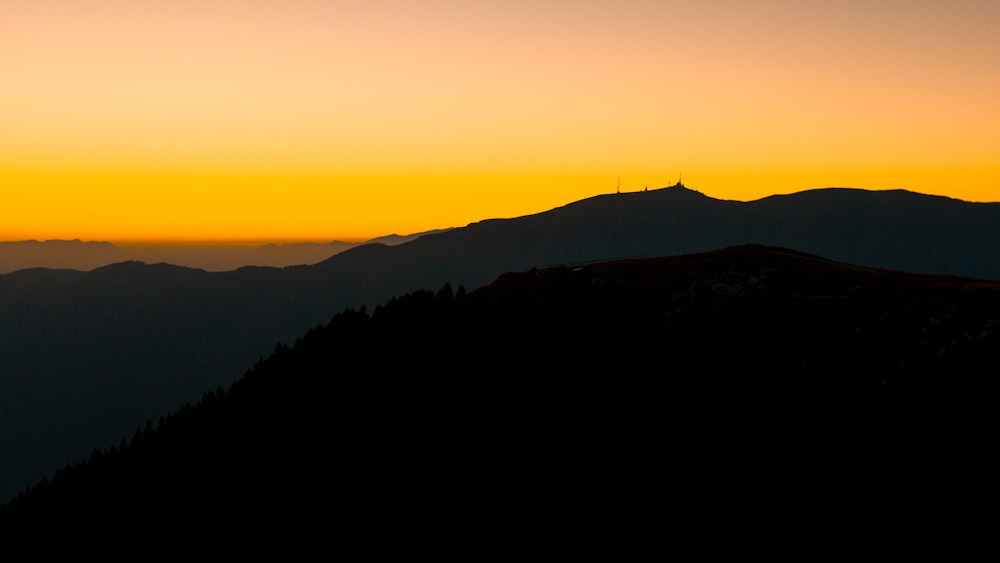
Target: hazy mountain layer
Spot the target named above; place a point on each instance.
(79, 255)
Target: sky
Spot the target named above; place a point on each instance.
(285, 120)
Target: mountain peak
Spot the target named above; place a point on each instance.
(681, 188)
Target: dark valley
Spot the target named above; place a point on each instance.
(575, 390)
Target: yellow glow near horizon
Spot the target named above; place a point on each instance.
(304, 120)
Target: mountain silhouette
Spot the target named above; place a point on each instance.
(567, 397)
(891, 229)
(88, 356)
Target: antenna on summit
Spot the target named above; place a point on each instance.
(618, 190)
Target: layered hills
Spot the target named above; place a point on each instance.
(87, 356)
(80, 255)
(589, 392)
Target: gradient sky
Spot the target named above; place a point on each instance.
(320, 120)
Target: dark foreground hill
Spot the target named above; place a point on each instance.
(87, 356)
(561, 402)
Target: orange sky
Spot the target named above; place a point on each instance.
(309, 119)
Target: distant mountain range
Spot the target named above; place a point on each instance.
(568, 397)
(80, 255)
(88, 356)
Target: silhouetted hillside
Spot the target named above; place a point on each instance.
(578, 393)
(86, 356)
(890, 229)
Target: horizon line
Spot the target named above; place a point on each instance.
(259, 241)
